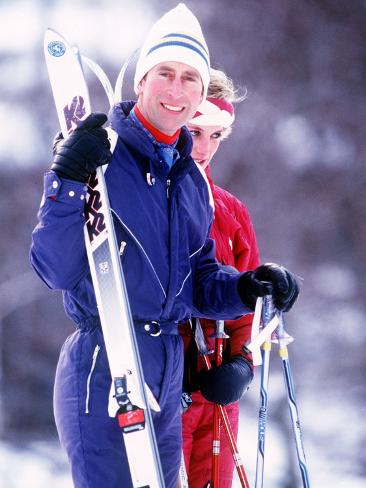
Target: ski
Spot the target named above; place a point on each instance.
(132, 398)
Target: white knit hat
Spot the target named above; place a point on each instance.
(176, 36)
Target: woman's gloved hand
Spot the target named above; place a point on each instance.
(228, 382)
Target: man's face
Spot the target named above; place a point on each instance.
(169, 95)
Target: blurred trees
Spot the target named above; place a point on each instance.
(296, 158)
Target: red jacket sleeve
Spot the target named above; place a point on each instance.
(236, 245)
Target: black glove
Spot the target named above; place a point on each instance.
(271, 279)
(80, 154)
(56, 140)
(226, 383)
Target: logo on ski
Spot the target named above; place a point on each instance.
(94, 217)
(104, 267)
(56, 48)
(74, 112)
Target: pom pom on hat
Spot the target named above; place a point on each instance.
(176, 36)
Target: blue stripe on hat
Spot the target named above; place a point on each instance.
(179, 43)
(174, 34)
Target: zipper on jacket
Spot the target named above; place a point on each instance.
(95, 355)
(122, 247)
(167, 188)
(140, 247)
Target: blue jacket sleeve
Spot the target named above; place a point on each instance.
(215, 288)
(58, 251)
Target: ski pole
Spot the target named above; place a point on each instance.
(183, 478)
(267, 314)
(204, 351)
(219, 335)
(185, 403)
(283, 340)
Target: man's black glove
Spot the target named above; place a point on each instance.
(271, 279)
(226, 383)
(83, 151)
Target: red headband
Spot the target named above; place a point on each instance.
(214, 111)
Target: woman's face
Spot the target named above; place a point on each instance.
(206, 141)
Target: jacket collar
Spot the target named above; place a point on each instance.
(135, 137)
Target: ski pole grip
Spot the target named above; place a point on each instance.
(268, 310)
(269, 286)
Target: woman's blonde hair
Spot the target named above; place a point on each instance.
(222, 87)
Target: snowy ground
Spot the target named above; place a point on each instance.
(331, 445)
(44, 464)
(331, 434)
(36, 464)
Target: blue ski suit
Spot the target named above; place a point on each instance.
(162, 221)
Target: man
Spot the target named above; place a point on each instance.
(162, 216)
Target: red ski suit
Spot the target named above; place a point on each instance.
(236, 246)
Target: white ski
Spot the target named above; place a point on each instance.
(132, 397)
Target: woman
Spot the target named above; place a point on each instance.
(235, 246)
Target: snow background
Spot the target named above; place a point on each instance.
(296, 158)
